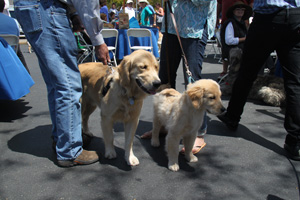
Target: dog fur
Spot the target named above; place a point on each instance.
(131, 82)
(266, 88)
(182, 115)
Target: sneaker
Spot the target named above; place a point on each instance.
(231, 124)
(85, 158)
(292, 148)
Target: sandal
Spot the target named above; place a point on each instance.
(196, 149)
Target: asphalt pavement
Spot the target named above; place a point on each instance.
(247, 164)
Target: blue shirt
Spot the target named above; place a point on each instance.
(146, 13)
(8, 25)
(191, 16)
(104, 10)
(271, 6)
(151, 18)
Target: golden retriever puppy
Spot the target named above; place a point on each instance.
(119, 93)
(182, 115)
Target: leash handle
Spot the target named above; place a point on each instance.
(188, 72)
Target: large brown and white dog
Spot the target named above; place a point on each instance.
(182, 115)
(119, 93)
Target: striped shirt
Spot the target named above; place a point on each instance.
(271, 6)
(191, 16)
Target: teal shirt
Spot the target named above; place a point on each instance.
(191, 16)
(145, 14)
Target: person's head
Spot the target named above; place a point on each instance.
(2, 5)
(113, 6)
(129, 3)
(157, 5)
(143, 3)
(112, 15)
(102, 2)
(239, 10)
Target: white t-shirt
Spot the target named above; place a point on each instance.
(130, 11)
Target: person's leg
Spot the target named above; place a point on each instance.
(48, 30)
(174, 57)
(259, 44)
(225, 69)
(194, 50)
(21, 57)
(289, 56)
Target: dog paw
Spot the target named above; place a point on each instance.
(192, 158)
(110, 154)
(133, 161)
(155, 142)
(174, 167)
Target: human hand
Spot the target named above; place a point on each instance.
(102, 53)
(242, 39)
(77, 24)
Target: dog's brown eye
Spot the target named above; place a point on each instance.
(144, 67)
(212, 97)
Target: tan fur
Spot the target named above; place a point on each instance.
(117, 105)
(182, 116)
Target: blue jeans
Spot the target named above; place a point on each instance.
(194, 50)
(47, 28)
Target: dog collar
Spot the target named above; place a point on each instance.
(141, 86)
(106, 88)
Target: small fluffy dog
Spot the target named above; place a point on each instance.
(119, 93)
(182, 115)
(266, 88)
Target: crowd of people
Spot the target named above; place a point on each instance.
(275, 26)
(144, 13)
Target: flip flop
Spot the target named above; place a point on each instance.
(195, 150)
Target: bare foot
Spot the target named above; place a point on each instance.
(148, 134)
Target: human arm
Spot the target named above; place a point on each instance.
(219, 12)
(229, 36)
(160, 12)
(90, 16)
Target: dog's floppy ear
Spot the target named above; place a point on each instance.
(196, 96)
(124, 71)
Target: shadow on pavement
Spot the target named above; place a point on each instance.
(12, 110)
(36, 142)
(245, 133)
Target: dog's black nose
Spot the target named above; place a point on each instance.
(156, 84)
